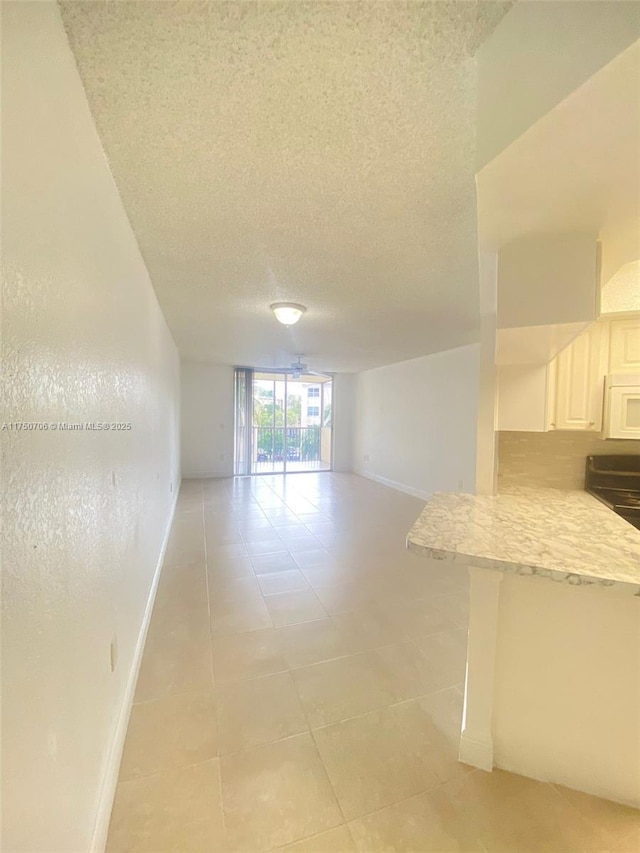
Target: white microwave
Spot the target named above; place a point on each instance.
(622, 406)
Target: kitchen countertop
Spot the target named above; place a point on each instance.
(566, 536)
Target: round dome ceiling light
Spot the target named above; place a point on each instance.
(287, 313)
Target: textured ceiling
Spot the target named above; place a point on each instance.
(315, 152)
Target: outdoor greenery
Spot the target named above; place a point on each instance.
(310, 444)
(302, 443)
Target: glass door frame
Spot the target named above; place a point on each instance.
(274, 426)
(243, 407)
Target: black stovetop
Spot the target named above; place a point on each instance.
(615, 480)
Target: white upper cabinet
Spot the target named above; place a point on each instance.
(624, 346)
(525, 397)
(580, 382)
(568, 393)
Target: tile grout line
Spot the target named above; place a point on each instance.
(317, 835)
(420, 793)
(190, 691)
(415, 796)
(213, 681)
(168, 770)
(378, 710)
(313, 663)
(572, 807)
(401, 640)
(310, 732)
(318, 753)
(209, 627)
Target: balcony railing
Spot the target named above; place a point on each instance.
(299, 447)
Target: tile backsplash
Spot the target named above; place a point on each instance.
(555, 459)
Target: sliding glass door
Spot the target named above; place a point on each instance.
(269, 423)
(283, 422)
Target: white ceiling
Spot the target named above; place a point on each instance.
(576, 169)
(316, 152)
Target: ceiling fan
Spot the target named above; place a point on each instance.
(298, 368)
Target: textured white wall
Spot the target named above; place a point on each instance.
(207, 419)
(85, 513)
(416, 421)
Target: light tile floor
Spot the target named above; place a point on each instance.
(301, 689)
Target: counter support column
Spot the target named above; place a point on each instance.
(476, 742)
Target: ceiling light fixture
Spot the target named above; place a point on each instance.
(288, 313)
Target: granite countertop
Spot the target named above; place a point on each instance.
(565, 536)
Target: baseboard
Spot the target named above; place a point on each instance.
(110, 778)
(476, 751)
(400, 487)
(207, 475)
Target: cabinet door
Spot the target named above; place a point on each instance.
(624, 347)
(522, 397)
(580, 383)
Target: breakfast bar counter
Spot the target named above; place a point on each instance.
(567, 536)
(553, 662)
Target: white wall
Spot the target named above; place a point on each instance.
(344, 389)
(538, 54)
(207, 403)
(566, 704)
(416, 422)
(207, 419)
(547, 279)
(486, 445)
(84, 512)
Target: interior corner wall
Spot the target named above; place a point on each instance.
(416, 423)
(85, 510)
(207, 415)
